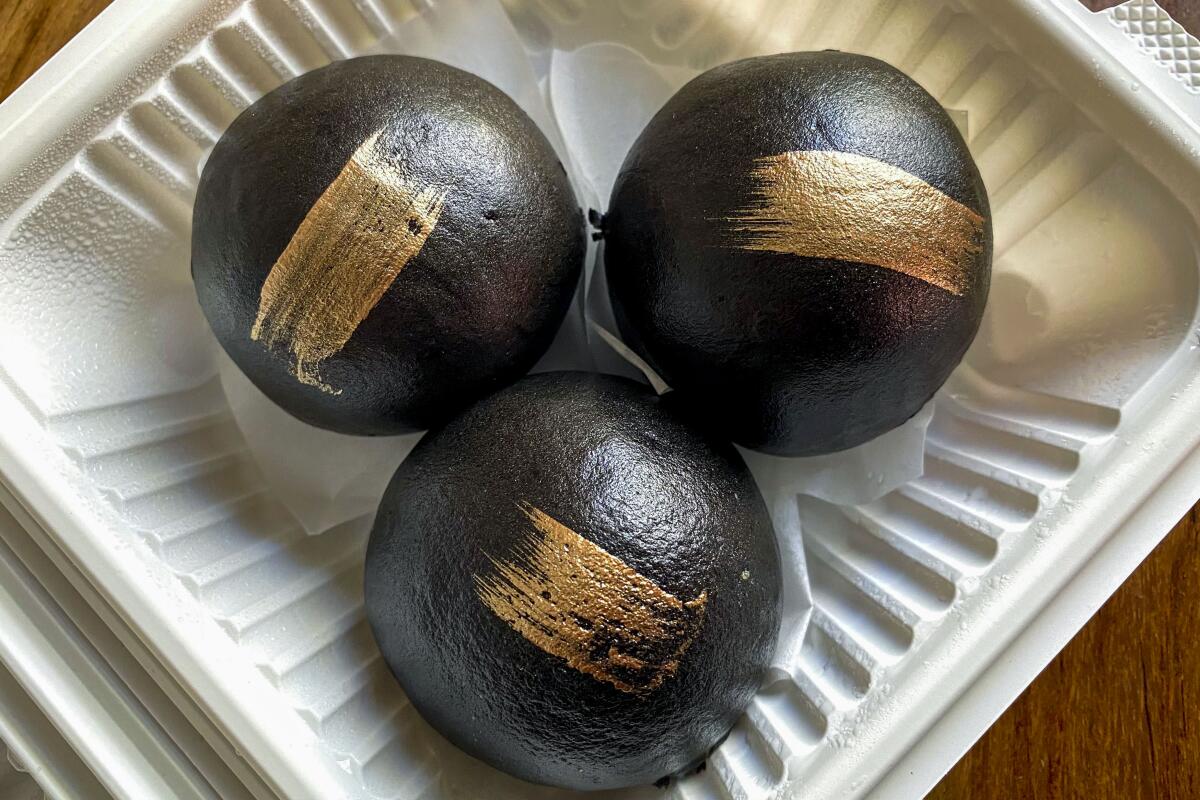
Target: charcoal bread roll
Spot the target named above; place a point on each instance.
(801, 245)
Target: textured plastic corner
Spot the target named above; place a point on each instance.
(1162, 38)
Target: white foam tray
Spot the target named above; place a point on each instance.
(35, 760)
(1060, 453)
(78, 712)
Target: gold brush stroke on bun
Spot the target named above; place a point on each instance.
(363, 229)
(828, 204)
(575, 600)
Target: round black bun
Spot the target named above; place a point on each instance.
(382, 241)
(801, 245)
(573, 585)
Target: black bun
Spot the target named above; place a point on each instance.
(801, 245)
(397, 188)
(574, 585)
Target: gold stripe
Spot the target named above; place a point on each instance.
(350, 246)
(578, 602)
(828, 204)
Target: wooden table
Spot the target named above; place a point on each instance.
(1115, 715)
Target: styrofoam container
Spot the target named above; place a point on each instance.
(111, 730)
(35, 760)
(1059, 454)
(79, 718)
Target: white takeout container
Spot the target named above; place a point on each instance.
(80, 718)
(1059, 454)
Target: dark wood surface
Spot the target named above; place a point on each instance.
(1115, 715)
(33, 30)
